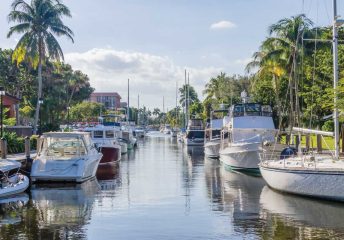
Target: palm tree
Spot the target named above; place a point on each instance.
(39, 22)
(192, 95)
(280, 54)
(156, 112)
(213, 89)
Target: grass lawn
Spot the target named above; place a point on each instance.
(326, 142)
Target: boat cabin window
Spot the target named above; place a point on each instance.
(64, 147)
(97, 134)
(109, 134)
(251, 109)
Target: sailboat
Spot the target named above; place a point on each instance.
(315, 174)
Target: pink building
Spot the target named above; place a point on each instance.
(111, 100)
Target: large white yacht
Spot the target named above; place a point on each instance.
(65, 156)
(250, 125)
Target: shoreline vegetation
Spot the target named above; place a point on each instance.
(291, 74)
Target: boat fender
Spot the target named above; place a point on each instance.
(288, 152)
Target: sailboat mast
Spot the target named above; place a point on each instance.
(185, 101)
(188, 101)
(335, 79)
(176, 102)
(128, 111)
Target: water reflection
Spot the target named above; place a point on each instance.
(302, 217)
(63, 210)
(11, 209)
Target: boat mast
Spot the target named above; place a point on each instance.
(176, 103)
(138, 109)
(128, 110)
(335, 77)
(188, 101)
(185, 100)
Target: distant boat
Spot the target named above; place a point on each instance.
(140, 132)
(65, 157)
(11, 182)
(167, 129)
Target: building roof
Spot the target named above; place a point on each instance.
(102, 94)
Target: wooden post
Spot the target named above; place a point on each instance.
(342, 136)
(307, 142)
(297, 141)
(3, 148)
(27, 148)
(287, 139)
(319, 143)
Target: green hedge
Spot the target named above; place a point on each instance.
(16, 144)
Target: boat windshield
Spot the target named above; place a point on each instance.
(109, 134)
(251, 109)
(63, 147)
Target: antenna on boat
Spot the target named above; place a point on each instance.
(336, 23)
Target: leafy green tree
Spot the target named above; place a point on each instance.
(38, 21)
(86, 111)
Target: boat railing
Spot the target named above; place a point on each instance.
(300, 161)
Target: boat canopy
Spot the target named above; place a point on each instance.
(65, 145)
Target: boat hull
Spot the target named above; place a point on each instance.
(65, 171)
(110, 155)
(194, 141)
(212, 149)
(241, 157)
(21, 184)
(311, 183)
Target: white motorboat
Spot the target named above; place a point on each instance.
(174, 133)
(139, 132)
(128, 137)
(213, 135)
(167, 129)
(11, 182)
(106, 140)
(66, 157)
(194, 133)
(250, 125)
(312, 174)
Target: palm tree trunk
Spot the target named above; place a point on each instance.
(39, 95)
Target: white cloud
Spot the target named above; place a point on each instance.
(151, 76)
(222, 25)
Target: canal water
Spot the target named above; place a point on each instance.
(163, 190)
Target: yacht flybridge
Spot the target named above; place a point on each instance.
(66, 157)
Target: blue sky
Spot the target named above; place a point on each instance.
(152, 42)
